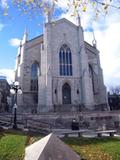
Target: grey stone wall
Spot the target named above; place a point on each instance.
(45, 50)
(91, 120)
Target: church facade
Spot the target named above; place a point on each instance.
(58, 71)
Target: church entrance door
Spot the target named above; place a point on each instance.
(66, 94)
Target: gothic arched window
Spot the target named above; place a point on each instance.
(91, 74)
(34, 76)
(65, 60)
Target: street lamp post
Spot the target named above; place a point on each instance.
(15, 89)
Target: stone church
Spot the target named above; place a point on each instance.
(59, 72)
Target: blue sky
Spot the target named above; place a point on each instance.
(106, 29)
(11, 31)
(13, 26)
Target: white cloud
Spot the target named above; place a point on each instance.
(117, 75)
(69, 17)
(63, 4)
(15, 42)
(9, 73)
(4, 3)
(108, 43)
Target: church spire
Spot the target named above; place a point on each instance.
(79, 20)
(50, 11)
(94, 42)
(25, 36)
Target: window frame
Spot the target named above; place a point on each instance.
(35, 71)
(65, 61)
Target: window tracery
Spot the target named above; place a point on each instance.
(34, 76)
(65, 60)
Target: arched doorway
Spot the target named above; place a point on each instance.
(66, 94)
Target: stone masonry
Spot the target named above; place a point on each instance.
(85, 87)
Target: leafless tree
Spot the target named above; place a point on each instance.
(114, 90)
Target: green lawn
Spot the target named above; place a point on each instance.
(12, 146)
(96, 148)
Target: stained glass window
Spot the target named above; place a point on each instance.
(65, 60)
(34, 76)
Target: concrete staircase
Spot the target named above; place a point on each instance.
(46, 122)
(5, 121)
(31, 125)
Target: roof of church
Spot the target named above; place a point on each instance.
(66, 20)
(88, 46)
(40, 36)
